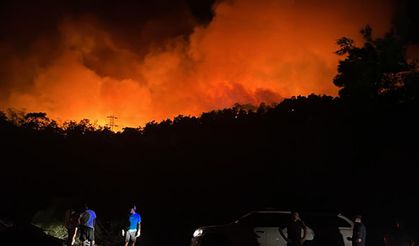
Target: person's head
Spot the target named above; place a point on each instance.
(132, 209)
(396, 225)
(295, 215)
(85, 207)
(358, 218)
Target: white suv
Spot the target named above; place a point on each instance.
(262, 228)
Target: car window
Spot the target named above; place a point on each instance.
(343, 223)
(265, 220)
(326, 221)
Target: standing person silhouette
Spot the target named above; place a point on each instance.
(359, 234)
(398, 236)
(71, 222)
(134, 229)
(296, 230)
(87, 221)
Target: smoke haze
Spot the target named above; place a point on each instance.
(144, 62)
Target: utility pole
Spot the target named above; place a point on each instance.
(112, 119)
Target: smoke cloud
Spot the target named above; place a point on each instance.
(83, 65)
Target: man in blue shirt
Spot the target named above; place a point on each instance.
(87, 223)
(134, 229)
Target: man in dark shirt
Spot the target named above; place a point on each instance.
(398, 237)
(296, 231)
(359, 234)
(71, 223)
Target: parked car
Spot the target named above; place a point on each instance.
(262, 228)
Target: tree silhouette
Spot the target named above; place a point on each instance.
(81, 128)
(378, 68)
(38, 121)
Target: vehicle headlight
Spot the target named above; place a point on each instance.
(197, 232)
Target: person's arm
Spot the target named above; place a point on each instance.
(361, 234)
(386, 241)
(304, 230)
(79, 219)
(74, 235)
(138, 230)
(94, 220)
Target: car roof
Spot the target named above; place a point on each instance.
(265, 212)
(303, 213)
(271, 212)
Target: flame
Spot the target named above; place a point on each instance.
(251, 52)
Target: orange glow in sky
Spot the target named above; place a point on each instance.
(251, 52)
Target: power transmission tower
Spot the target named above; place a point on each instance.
(112, 124)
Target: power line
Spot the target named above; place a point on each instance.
(112, 124)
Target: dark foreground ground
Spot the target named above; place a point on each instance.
(175, 227)
(307, 153)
